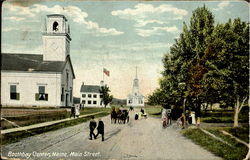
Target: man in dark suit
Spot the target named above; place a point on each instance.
(100, 129)
(92, 126)
(73, 113)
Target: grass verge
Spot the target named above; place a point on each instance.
(236, 151)
(240, 132)
(221, 120)
(29, 116)
(154, 111)
(90, 110)
(17, 136)
(27, 120)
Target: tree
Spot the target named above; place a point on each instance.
(188, 58)
(229, 67)
(106, 97)
(212, 61)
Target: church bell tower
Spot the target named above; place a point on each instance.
(56, 38)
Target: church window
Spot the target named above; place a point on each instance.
(139, 101)
(62, 94)
(83, 101)
(94, 102)
(89, 102)
(41, 89)
(89, 95)
(41, 95)
(101, 96)
(55, 26)
(83, 95)
(94, 96)
(13, 93)
(67, 79)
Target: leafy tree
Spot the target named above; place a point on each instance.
(186, 63)
(211, 61)
(106, 97)
(229, 69)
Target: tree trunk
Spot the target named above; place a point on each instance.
(236, 118)
(237, 108)
(184, 111)
(206, 107)
(236, 112)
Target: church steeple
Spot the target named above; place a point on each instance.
(136, 83)
(136, 72)
(56, 38)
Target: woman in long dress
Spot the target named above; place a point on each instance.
(77, 111)
(164, 117)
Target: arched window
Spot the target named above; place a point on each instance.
(55, 26)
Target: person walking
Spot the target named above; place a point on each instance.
(73, 112)
(100, 129)
(77, 111)
(182, 118)
(92, 126)
(83, 107)
(169, 115)
(142, 111)
(164, 117)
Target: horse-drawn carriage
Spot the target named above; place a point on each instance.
(120, 116)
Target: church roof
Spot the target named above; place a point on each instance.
(90, 88)
(57, 15)
(29, 62)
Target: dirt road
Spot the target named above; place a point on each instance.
(143, 139)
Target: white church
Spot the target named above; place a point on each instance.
(135, 99)
(41, 79)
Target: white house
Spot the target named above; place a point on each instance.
(91, 96)
(40, 79)
(135, 99)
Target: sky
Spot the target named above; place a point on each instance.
(116, 35)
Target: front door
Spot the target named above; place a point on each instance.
(66, 102)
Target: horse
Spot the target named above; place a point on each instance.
(123, 116)
(113, 116)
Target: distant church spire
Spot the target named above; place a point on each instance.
(136, 72)
(136, 82)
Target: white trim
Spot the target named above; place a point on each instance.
(42, 84)
(13, 83)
